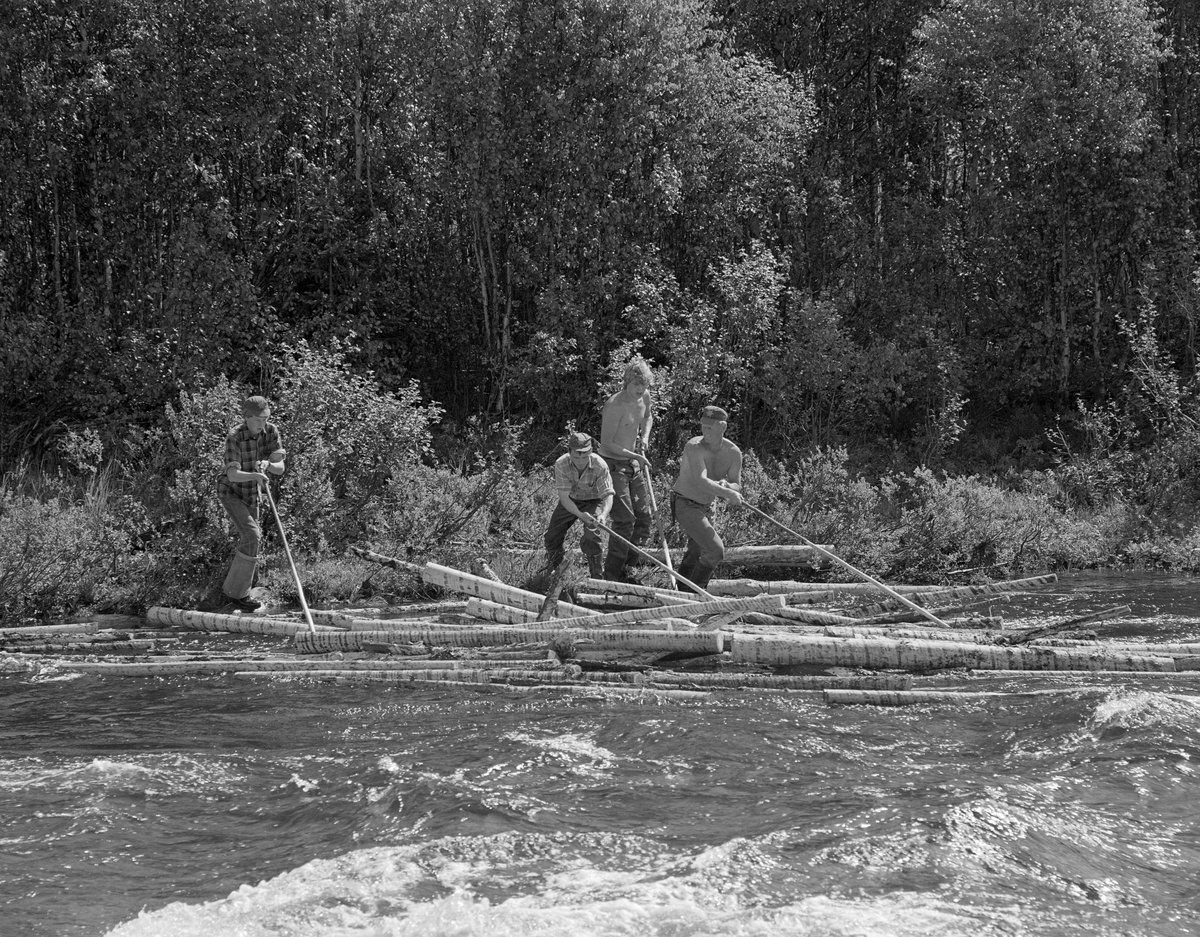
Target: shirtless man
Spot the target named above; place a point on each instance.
(624, 436)
(710, 468)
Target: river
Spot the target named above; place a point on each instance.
(219, 805)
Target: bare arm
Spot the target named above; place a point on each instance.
(647, 421)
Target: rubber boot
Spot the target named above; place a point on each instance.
(240, 576)
(702, 574)
(686, 568)
(595, 565)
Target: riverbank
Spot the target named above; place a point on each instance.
(120, 541)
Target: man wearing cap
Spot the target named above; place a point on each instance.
(710, 468)
(251, 450)
(585, 493)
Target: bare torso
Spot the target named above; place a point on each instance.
(623, 423)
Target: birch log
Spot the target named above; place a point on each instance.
(782, 682)
(242, 624)
(163, 668)
(773, 603)
(701, 642)
(885, 654)
(89, 627)
(458, 581)
(931, 597)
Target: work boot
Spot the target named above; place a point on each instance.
(702, 574)
(595, 565)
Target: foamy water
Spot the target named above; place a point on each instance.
(214, 806)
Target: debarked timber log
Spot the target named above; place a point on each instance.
(480, 587)
(164, 668)
(773, 603)
(697, 642)
(242, 624)
(887, 654)
(835, 697)
(771, 681)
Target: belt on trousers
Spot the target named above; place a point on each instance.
(676, 496)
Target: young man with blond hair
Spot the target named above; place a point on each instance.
(624, 436)
(710, 468)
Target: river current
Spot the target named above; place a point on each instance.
(223, 805)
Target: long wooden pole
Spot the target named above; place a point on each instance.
(654, 560)
(662, 527)
(858, 572)
(287, 550)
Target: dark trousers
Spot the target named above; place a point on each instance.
(561, 521)
(241, 571)
(631, 517)
(705, 549)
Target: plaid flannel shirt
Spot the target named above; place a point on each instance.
(595, 481)
(242, 451)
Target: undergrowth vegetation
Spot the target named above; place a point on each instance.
(143, 527)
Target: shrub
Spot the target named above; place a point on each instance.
(59, 549)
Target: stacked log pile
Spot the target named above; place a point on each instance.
(843, 643)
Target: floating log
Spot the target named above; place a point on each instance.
(848, 697)
(1160, 648)
(286, 665)
(922, 634)
(634, 588)
(684, 641)
(504, 614)
(89, 627)
(930, 598)
(691, 610)
(810, 616)
(393, 624)
(783, 682)
(111, 647)
(886, 654)
(240, 624)
(458, 581)
(1025, 635)
(602, 692)
(422, 676)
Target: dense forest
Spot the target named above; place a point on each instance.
(947, 233)
(848, 219)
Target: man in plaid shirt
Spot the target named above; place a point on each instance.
(251, 450)
(585, 493)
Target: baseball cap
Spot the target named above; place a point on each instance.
(579, 442)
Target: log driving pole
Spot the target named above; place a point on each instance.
(287, 550)
(662, 527)
(842, 563)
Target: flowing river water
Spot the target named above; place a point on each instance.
(218, 805)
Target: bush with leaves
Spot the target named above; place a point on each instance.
(63, 544)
